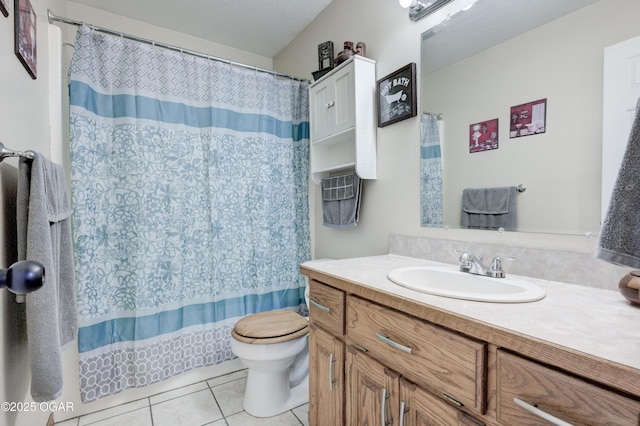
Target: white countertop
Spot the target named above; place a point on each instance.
(590, 320)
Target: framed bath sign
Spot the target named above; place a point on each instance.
(397, 98)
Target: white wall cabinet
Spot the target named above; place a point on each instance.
(342, 115)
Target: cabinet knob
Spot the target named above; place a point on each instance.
(330, 104)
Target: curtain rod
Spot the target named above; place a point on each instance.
(52, 17)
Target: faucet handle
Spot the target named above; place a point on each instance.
(495, 270)
(466, 260)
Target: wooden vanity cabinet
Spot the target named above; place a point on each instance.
(527, 392)
(326, 355)
(379, 395)
(420, 408)
(355, 378)
(372, 391)
(371, 361)
(326, 307)
(326, 378)
(450, 365)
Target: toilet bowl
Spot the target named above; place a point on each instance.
(274, 347)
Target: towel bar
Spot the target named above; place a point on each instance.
(6, 152)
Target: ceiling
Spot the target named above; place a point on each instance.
(263, 27)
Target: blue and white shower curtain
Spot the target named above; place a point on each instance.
(431, 197)
(190, 197)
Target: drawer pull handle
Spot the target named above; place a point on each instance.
(401, 422)
(331, 381)
(383, 415)
(453, 400)
(319, 306)
(391, 343)
(538, 412)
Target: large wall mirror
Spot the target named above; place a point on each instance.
(500, 54)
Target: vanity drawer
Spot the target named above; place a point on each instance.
(326, 307)
(554, 393)
(450, 365)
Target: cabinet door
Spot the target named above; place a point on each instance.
(371, 391)
(344, 97)
(326, 378)
(320, 109)
(420, 408)
(332, 104)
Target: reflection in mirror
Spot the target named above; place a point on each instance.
(498, 55)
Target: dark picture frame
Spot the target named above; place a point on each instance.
(528, 119)
(483, 136)
(396, 96)
(4, 7)
(25, 36)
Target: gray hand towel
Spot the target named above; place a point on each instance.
(489, 208)
(341, 201)
(619, 240)
(44, 235)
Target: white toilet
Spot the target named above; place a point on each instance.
(274, 347)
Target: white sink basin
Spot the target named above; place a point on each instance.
(450, 282)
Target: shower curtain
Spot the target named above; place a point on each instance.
(190, 196)
(431, 198)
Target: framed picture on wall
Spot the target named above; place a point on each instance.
(25, 35)
(528, 119)
(4, 7)
(397, 96)
(483, 136)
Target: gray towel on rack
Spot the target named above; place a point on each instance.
(619, 240)
(341, 201)
(489, 208)
(44, 235)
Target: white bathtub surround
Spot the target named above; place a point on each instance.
(555, 265)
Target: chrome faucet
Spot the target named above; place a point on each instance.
(472, 264)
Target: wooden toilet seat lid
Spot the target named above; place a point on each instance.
(271, 327)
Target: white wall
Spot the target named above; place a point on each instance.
(114, 22)
(390, 204)
(24, 112)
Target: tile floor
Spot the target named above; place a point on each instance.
(215, 402)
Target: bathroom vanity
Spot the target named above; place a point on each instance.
(384, 354)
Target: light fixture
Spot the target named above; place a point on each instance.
(418, 9)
